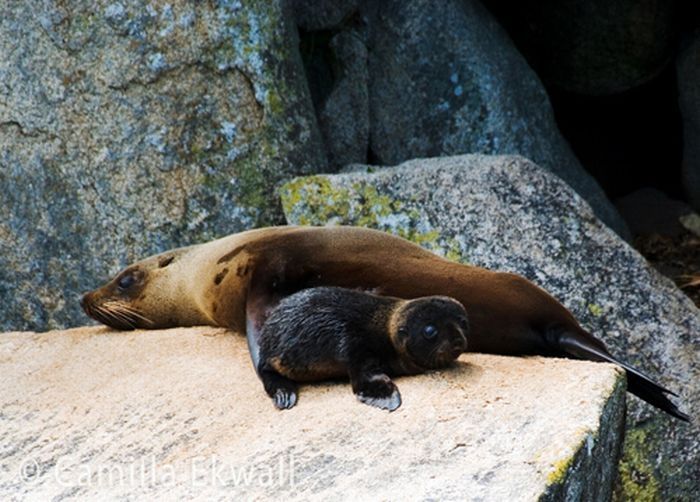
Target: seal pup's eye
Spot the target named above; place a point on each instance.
(126, 281)
(430, 332)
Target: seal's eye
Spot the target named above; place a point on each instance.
(430, 332)
(126, 282)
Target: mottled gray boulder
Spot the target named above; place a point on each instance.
(506, 213)
(688, 69)
(179, 414)
(343, 117)
(128, 128)
(592, 47)
(449, 81)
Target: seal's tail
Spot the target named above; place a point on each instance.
(587, 347)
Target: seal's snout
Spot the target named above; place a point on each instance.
(456, 346)
(460, 333)
(460, 345)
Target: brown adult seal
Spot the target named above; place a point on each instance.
(327, 332)
(235, 281)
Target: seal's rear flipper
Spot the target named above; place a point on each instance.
(582, 347)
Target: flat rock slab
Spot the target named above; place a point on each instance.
(180, 413)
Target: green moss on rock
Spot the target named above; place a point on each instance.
(316, 200)
(595, 309)
(637, 480)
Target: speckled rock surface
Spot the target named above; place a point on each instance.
(343, 117)
(688, 69)
(506, 213)
(130, 127)
(162, 415)
(449, 81)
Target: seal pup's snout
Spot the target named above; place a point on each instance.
(460, 334)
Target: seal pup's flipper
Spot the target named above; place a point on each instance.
(282, 390)
(374, 388)
(581, 347)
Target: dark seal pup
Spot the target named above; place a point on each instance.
(237, 280)
(325, 332)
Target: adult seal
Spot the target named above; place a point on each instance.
(235, 281)
(328, 332)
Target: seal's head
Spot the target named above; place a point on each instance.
(147, 294)
(431, 331)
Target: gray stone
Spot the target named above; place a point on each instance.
(344, 116)
(592, 47)
(179, 414)
(128, 128)
(449, 81)
(506, 213)
(688, 69)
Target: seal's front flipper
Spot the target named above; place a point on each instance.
(260, 302)
(375, 389)
(581, 347)
(282, 390)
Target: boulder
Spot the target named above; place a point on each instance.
(180, 414)
(506, 213)
(449, 81)
(343, 117)
(138, 128)
(688, 70)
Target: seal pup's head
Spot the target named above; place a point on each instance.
(430, 332)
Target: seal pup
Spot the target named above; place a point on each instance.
(235, 281)
(328, 332)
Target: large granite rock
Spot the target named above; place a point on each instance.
(128, 128)
(688, 69)
(592, 47)
(180, 414)
(506, 213)
(343, 117)
(449, 81)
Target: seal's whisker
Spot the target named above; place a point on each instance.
(116, 316)
(103, 315)
(126, 313)
(135, 313)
